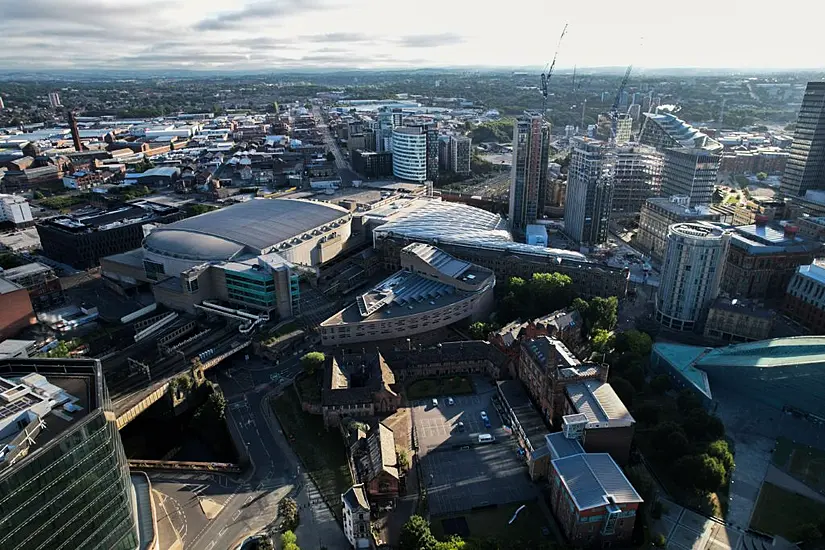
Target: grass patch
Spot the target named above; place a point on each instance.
(781, 512)
(435, 387)
(804, 462)
(321, 452)
(529, 528)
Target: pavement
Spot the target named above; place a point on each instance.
(344, 171)
(246, 505)
(459, 472)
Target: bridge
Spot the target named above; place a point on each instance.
(165, 348)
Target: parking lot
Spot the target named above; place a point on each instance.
(460, 473)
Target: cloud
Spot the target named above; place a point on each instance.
(338, 37)
(254, 12)
(430, 40)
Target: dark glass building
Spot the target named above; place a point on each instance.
(64, 478)
(805, 169)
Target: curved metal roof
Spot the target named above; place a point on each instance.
(449, 222)
(192, 246)
(256, 225)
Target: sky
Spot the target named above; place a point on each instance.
(259, 35)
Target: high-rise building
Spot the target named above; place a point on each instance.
(663, 130)
(589, 191)
(459, 154)
(444, 153)
(383, 134)
(415, 153)
(690, 173)
(64, 479)
(54, 100)
(2, 105)
(528, 183)
(637, 176)
(805, 168)
(691, 274)
(622, 125)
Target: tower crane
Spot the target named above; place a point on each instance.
(548, 72)
(614, 110)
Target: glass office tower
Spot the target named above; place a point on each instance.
(64, 478)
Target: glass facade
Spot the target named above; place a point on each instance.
(255, 289)
(72, 493)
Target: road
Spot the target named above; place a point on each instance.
(214, 512)
(344, 170)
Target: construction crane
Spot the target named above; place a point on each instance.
(548, 72)
(614, 110)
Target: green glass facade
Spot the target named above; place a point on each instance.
(74, 491)
(256, 289)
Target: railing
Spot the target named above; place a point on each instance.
(225, 467)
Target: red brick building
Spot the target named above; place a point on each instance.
(805, 298)
(594, 503)
(375, 463)
(16, 311)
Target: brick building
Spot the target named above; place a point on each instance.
(16, 311)
(546, 367)
(763, 257)
(357, 385)
(40, 281)
(607, 426)
(594, 503)
(375, 464)
(737, 321)
(805, 297)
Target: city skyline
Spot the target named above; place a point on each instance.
(273, 34)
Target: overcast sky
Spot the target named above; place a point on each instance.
(272, 34)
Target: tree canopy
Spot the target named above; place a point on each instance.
(543, 293)
(416, 535)
(598, 313)
(312, 361)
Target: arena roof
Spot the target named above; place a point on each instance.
(256, 225)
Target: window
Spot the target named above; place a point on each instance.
(153, 269)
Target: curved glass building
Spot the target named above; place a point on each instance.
(64, 478)
(781, 373)
(409, 153)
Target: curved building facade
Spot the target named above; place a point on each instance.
(784, 373)
(432, 290)
(691, 274)
(64, 478)
(409, 154)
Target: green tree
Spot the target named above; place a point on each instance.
(330, 156)
(703, 426)
(647, 414)
(659, 540)
(676, 446)
(700, 472)
(633, 341)
(603, 312)
(312, 361)
(416, 535)
(37, 195)
(762, 176)
(453, 543)
(661, 384)
(403, 459)
(602, 341)
(289, 541)
(288, 510)
(720, 450)
(478, 330)
(636, 376)
(662, 432)
(265, 543)
(688, 401)
(624, 390)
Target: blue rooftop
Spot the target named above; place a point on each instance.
(683, 358)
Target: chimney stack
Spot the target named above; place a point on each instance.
(791, 231)
(75, 132)
(761, 220)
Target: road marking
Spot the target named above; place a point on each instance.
(237, 514)
(222, 531)
(211, 545)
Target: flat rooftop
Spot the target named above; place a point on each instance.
(61, 391)
(526, 414)
(599, 403)
(91, 218)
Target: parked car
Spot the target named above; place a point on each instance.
(485, 419)
(461, 426)
(435, 403)
(450, 401)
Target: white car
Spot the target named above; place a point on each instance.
(450, 401)
(435, 402)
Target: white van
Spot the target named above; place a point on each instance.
(485, 438)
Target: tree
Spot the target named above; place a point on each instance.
(478, 330)
(661, 384)
(633, 341)
(37, 195)
(647, 414)
(688, 401)
(603, 312)
(703, 426)
(330, 156)
(700, 472)
(624, 390)
(720, 450)
(662, 432)
(636, 376)
(312, 361)
(659, 540)
(288, 510)
(416, 535)
(761, 176)
(602, 341)
(265, 543)
(403, 459)
(453, 543)
(677, 446)
(289, 541)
